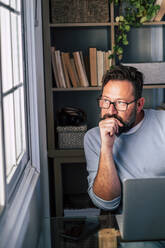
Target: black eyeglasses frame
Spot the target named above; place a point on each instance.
(114, 103)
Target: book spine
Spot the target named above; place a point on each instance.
(60, 69)
(108, 60)
(70, 70)
(84, 69)
(75, 71)
(66, 75)
(100, 66)
(54, 65)
(93, 65)
(81, 73)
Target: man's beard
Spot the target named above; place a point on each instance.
(126, 125)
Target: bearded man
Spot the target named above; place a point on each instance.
(129, 142)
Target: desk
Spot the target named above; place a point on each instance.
(61, 157)
(73, 232)
(65, 229)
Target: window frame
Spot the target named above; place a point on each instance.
(31, 158)
(2, 162)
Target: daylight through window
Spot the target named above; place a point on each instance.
(12, 86)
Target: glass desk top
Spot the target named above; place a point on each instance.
(92, 232)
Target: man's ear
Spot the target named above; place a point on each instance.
(140, 104)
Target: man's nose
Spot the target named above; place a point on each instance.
(112, 109)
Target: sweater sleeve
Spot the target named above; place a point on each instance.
(92, 152)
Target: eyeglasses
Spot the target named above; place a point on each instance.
(118, 105)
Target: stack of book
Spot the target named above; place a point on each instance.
(99, 63)
(68, 71)
(72, 70)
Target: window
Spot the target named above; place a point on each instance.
(13, 88)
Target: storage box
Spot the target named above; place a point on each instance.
(76, 11)
(71, 137)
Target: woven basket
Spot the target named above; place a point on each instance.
(71, 137)
(75, 11)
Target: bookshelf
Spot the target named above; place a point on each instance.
(70, 37)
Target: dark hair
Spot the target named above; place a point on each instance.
(121, 72)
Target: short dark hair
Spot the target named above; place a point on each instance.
(129, 73)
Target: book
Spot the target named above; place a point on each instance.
(80, 69)
(108, 61)
(104, 63)
(70, 70)
(59, 69)
(66, 75)
(82, 60)
(75, 71)
(93, 65)
(100, 67)
(85, 64)
(87, 67)
(54, 66)
(161, 11)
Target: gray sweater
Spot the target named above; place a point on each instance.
(139, 153)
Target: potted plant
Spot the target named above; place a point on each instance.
(132, 13)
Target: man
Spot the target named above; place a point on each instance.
(129, 142)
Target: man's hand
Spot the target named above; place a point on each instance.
(107, 184)
(108, 128)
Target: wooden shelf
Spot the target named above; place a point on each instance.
(154, 86)
(146, 86)
(148, 23)
(57, 153)
(154, 23)
(79, 24)
(77, 89)
(56, 25)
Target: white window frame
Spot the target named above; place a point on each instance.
(22, 195)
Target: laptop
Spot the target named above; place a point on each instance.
(143, 214)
